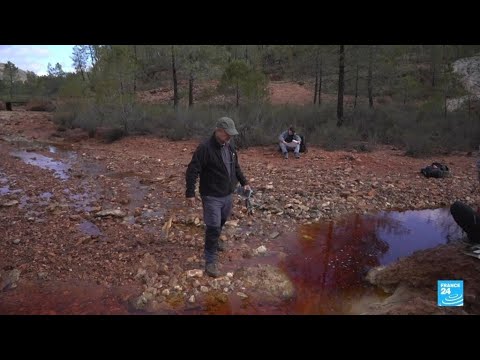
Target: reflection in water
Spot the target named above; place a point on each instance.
(422, 230)
(60, 169)
(329, 261)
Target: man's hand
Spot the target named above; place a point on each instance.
(191, 200)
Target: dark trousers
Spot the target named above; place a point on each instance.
(216, 211)
(468, 219)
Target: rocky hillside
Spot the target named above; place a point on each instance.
(22, 74)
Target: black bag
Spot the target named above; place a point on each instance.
(303, 145)
(436, 170)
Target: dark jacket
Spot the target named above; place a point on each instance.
(214, 179)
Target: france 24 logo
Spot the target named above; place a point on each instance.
(450, 292)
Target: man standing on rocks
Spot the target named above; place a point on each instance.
(216, 161)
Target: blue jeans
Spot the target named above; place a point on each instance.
(216, 211)
(290, 146)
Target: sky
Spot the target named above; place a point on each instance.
(36, 57)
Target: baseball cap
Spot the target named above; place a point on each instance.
(228, 125)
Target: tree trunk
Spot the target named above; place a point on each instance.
(445, 101)
(316, 81)
(190, 89)
(369, 78)
(356, 88)
(175, 85)
(433, 74)
(469, 106)
(341, 84)
(320, 83)
(237, 94)
(11, 89)
(93, 54)
(135, 69)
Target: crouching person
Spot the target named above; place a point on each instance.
(290, 141)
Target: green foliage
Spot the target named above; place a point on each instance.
(55, 71)
(240, 77)
(80, 58)
(73, 87)
(114, 73)
(410, 84)
(64, 118)
(335, 138)
(10, 76)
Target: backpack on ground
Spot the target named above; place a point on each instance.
(436, 170)
(303, 144)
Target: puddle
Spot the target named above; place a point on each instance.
(60, 169)
(89, 228)
(46, 196)
(92, 169)
(82, 201)
(137, 193)
(4, 188)
(24, 201)
(327, 262)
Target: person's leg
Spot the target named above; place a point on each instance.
(290, 147)
(225, 214)
(212, 217)
(467, 219)
(284, 149)
(296, 151)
